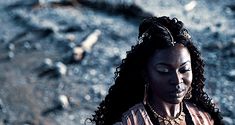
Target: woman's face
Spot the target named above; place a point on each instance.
(170, 74)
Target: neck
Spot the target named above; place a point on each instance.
(165, 109)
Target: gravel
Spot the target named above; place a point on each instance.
(34, 38)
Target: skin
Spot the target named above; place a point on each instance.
(170, 76)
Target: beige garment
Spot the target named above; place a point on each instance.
(137, 115)
(199, 116)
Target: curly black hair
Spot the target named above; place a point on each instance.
(128, 90)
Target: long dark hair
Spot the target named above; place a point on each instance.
(154, 33)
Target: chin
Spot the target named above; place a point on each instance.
(174, 100)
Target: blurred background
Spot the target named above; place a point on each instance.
(58, 57)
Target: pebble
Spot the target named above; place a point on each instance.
(231, 74)
(72, 117)
(47, 64)
(10, 55)
(64, 101)
(87, 97)
(3, 110)
(190, 6)
(78, 54)
(27, 45)
(228, 11)
(99, 89)
(71, 45)
(37, 46)
(51, 69)
(70, 37)
(114, 59)
(60, 69)
(11, 47)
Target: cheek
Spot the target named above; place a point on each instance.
(188, 78)
(158, 82)
(156, 78)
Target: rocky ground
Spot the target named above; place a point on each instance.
(39, 35)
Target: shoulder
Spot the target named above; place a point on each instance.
(136, 115)
(199, 116)
(136, 109)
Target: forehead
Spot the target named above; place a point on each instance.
(177, 54)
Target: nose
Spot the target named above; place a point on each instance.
(176, 78)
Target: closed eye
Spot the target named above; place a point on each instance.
(184, 70)
(162, 69)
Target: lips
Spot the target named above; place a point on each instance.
(178, 91)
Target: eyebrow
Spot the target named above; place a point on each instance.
(170, 64)
(185, 63)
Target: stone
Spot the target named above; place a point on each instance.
(70, 37)
(87, 97)
(27, 45)
(46, 68)
(190, 6)
(78, 54)
(10, 55)
(47, 64)
(61, 103)
(60, 69)
(52, 69)
(99, 90)
(228, 11)
(11, 47)
(64, 101)
(37, 46)
(71, 45)
(231, 74)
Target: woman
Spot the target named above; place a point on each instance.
(160, 82)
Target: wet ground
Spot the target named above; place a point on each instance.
(33, 33)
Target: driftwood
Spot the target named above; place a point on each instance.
(59, 68)
(78, 52)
